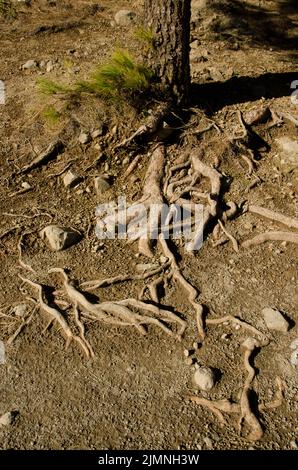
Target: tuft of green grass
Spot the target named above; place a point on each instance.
(51, 115)
(49, 87)
(7, 9)
(121, 76)
(145, 35)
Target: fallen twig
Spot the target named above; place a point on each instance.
(51, 152)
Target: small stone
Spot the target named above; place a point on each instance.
(287, 158)
(30, 64)
(225, 336)
(189, 361)
(20, 310)
(163, 259)
(96, 133)
(71, 179)
(2, 353)
(7, 419)
(257, 115)
(196, 345)
(101, 184)
(84, 138)
(293, 445)
(125, 17)
(275, 320)
(60, 238)
(186, 352)
(107, 166)
(204, 378)
(208, 443)
(49, 66)
(294, 358)
(294, 344)
(42, 64)
(125, 161)
(26, 185)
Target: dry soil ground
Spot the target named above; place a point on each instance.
(132, 395)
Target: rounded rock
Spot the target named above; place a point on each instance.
(204, 378)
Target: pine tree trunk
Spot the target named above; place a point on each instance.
(169, 21)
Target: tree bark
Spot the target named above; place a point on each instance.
(169, 21)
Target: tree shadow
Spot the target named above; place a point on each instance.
(263, 23)
(214, 96)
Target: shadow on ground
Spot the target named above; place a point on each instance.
(215, 95)
(273, 24)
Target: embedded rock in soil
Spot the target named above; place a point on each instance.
(275, 320)
(204, 378)
(125, 17)
(60, 238)
(102, 184)
(71, 179)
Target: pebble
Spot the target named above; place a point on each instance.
(84, 138)
(71, 179)
(101, 184)
(26, 185)
(208, 442)
(204, 378)
(225, 336)
(257, 115)
(49, 66)
(293, 445)
(125, 161)
(60, 238)
(275, 320)
(125, 17)
(186, 352)
(196, 345)
(294, 358)
(2, 353)
(30, 64)
(96, 133)
(20, 310)
(294, 344)
(189, 361)
(6, 419)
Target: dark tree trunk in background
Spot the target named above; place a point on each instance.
(169, 21)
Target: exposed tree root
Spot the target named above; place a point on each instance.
(271, 236)
(92, 285)
(51, 152)
(247, 415)
(192, 292)
(147, 131)
(290, 222)
(217, 407)
(21, 262)
(58, 317)
(120, 312)
(230, 237)
(152, 192)
(278, 398)
(131, 167)
(230, 319)
(24, 323)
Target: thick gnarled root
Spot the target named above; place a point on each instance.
(58, 317)
(122, 313)
(191, 291)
